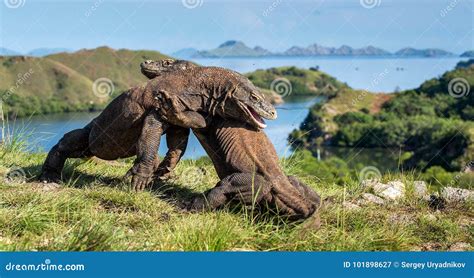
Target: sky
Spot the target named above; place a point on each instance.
(168, 26)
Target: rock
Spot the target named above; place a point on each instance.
(393, 190)
(44, 186)
(350, 206)
(431, 217)
(460, 246)
(456, 195)
(368, 198)
(400, 218)
(370, 183)
(5, 240)
(50, 186)
(420, 189)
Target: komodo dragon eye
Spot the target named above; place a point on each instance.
(167, 62)
(254, 97)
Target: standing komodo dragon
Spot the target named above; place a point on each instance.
(245, 161)
(133, 123)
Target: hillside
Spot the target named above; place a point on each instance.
(94, 210)
(121, 66)
(433, 124)
(301, 81)
(35, 86)
(63, 82)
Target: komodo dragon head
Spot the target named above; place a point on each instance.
(244, 101)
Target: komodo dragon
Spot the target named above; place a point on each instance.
(245, 161)
(133, 123)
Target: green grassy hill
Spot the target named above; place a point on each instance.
(36, 85)
(121, 66)
(63, 82)
(303, 82)
(433, 124)
(94, 210)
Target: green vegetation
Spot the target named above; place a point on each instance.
(303, 82)
(95, 210)
(465, 64)
(433, 127)
(63, 82)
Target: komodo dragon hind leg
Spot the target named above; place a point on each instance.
(305, 190)
(247, 188)
(74, 144)
(296, 204)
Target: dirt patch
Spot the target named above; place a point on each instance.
(379, 101)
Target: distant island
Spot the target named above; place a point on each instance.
(233, 48)
(469, 54)
(38, 52)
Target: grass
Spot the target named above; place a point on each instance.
(95, 210)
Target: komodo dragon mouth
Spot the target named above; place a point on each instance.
(257, 119)
(257, 115)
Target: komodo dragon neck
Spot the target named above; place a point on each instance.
(198, 89)
(243, 148)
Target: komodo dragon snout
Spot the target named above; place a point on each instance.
(249, 99)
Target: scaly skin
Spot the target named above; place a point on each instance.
(152, 69)
(247, 164)
(132, 124)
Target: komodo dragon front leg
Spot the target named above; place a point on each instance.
(176, 135)
(174, 112)
(147, 151)
(177, 141)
